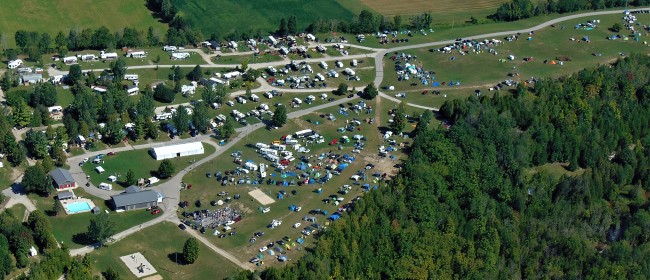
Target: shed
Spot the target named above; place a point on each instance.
(180, 150)
(31, 78)
(62, 179)
(65, 195)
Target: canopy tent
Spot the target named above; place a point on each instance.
(100, 169)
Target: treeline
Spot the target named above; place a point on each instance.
(467, 203)
(522, 9)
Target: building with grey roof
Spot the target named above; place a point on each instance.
(134, 198)
(62, 179)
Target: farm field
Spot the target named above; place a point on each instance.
(546, 45)
(140, 161)
(436, 8)
(63, 15)
(266, 14)
(205, 189)
(161, 244)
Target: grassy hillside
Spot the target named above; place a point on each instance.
(225, 16)
(61, 15)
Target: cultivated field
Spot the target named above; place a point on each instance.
(219, 15)
(389, 8)
(63, 15)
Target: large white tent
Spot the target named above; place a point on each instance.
(180, 150)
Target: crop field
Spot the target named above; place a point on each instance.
(390, 8)
(219, 15)
(63, 15)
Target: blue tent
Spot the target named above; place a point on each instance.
(335, 217)
(292, 207)
(284, 183)
(311, 181)
(366, 186)
(435, 84)
(342, 166)
(280, 196)
(300, 240)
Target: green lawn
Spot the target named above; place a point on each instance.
(547, 44)
(239, 59)
(218, 16)
(71, 229)
(6, 174)
(63, 15)
(18, 210)
(139, 161)
(206, 189)
(160, 244)
(555, 170)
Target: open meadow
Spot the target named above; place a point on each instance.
(63, 15)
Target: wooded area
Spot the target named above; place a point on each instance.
(466, 205)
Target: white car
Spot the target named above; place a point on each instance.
(85, 159)
(230, 103)
(263, 249)
(296, 225)
(298, 209)
(230, 223)
(266, 210)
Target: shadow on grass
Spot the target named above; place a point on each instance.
(82, 238)
(176, 258)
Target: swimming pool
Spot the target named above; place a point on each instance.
(77, 207)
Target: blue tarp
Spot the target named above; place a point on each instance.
(300, 240)
(342, 166)
(291, 174)
(366, 186)
(335, 217)
(280, 196)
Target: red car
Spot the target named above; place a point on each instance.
(154, 212)
(110, 153)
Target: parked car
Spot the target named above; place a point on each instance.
(182, 226)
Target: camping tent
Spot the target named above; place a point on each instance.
(100, 169)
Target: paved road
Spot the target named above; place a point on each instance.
(379, 57)
(171, 188)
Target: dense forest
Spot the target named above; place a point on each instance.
(467, 206)
(521, 9)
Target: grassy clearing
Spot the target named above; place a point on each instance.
(139, 161)
(161, 244)
(63, 15)
(547, 44)
(390, 8)
(239, 59)
(218, 16)
(19, 211)
(555, 170)
(206, 189)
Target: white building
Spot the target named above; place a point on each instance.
(180, 150)
(104, 55)
(136, 54)
(15, 64)
(70, 60)
(180, 55)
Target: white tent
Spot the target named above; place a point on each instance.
(180, 150)
(100, 169)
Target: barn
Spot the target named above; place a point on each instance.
(180, 150)
(62, 179)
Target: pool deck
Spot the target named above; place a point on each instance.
(66, 202)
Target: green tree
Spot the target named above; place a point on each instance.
(36, 143)
(48, 164)
(177, 74)
(75, 74)
(138, 131)
(616, 27)
(196, 74)
(101, 228)
(118, 68)
(130, 179)
(342, 89)
(191, 250)
(36, 180)
(59, 154)
(166, 169)
(370, 92)
(181, 120)
(228, 128)
(6, 264)
(6, 82)
(397, 22)
(146, 106)
(42, 229)
(201, 117)
(21, 114)
(280, 116)
(56, 208)
(292, 25)
(399, 120)
(151, 129)
(164, 94)
(111, 274)
(282, 29)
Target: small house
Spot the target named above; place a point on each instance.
(134, 198)
(33, 252)
(62, 179)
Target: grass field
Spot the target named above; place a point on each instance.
(219, 15)
(206, 189)
(142, 164)
(63, 15)
(390, 8)
(547, 44)
(160, 244)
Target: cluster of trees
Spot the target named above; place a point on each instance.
(466, 204)
(521, 9)
(368, 22)
(38, 98)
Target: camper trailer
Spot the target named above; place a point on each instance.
(170, 48)
(70, 60)
(105, 55)
(15, 64)
(180, 55)
(323, 64)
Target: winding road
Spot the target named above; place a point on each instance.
(171, 188)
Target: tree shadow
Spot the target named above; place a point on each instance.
(82, 238)
(176, 258)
